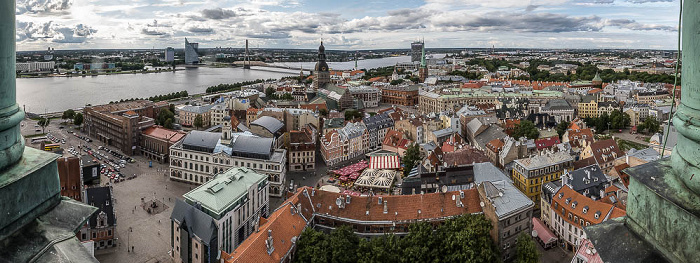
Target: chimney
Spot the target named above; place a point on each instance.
(386, 209)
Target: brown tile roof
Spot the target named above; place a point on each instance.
(399, 207)
(566, 193)
(584, 162)
(606, 151)
(394, 138)
(466, 155)
(495, 145)
(313, 107)
(576, 135)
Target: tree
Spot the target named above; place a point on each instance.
(164, 115)
(343, 245)
(352, 114)
(198, 122)
(650, 124)
(562, 127)
(269, 91)
(526, 251)
(43, 122)
(168, 124)
(68, 114)
(323, 112)
(287, 96)
(312, 247)
(78, 119)
(410, 157)
(526, 129)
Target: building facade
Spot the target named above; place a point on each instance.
(405, 95)
(530, 173)
(156, 142)
(200, 156)
(369, 96)
(302, 149)
(120, 124)
(101, 227)
(69, 172)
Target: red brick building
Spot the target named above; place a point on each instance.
(69, 175)
(156, 142)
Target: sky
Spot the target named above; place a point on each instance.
(347, 25)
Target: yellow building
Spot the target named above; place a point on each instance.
(530, 173)
(588, 107)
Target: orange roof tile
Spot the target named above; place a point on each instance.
(164, 134)
(559, 202)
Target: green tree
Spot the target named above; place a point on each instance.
(467, 239)
(198, 122)
(312, 247)
(562, 127)
(420, 244)
(650, 124)
(526, 252)
(343, 245)
(78, 119)
(44, 122)
(164, 115)
(68, 114)
(269, 91)
(526, 129)
(352, 114)
(287, 96)
(168, 124)
(410, 157)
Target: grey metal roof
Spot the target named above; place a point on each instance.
(269, 123)
(554, 105)
(503, 195)
(201, 141)
(378, 121)
(197, 109)
(648, 154)
(195, 221)
(252, 146)
(492, 132)
(100, 197)
(585, 178)
(443, 132)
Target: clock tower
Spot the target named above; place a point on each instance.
(322, 74)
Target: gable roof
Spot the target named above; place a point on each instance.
(606, 150)
(196, 222)
(101, 197)
(269, 123)
(577, 203)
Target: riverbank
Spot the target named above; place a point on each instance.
(95, 74)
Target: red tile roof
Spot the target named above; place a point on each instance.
(606, 151)
(605, 211)
(164, 134)
(576, 135)
(543, 143)
(466, 155)
(399, 207)
(283, 224)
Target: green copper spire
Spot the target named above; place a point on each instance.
(11, 141)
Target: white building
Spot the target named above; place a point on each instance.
(370, 96)
(200, 156)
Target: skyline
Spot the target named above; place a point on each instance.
(549, 24)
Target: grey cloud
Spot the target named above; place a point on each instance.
(42, 6)
(268, 35)
(531, 8)
(57, 33)
(522, 22)
(634, 25)
(152, 32)
(218, 13)
(195, 29)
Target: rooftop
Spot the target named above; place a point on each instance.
(225, 190)
(164, 134)
(545, 159)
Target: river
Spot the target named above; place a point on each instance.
(54, 94)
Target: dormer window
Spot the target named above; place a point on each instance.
(597, 214)
(561, 195)
(585, 209)
(573, 205)
(568, 200)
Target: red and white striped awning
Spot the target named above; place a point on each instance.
(384, 162)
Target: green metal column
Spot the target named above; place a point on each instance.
(686, 155)
(11, 141)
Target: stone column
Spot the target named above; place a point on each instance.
(11, 141)
(686, 155)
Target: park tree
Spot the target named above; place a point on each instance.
(526, 252)
(44, 122)
(198, 122)
(168, 124)
(269, 92)
(68, 114)
(343, 245)
(78, 119)
(526, 129)
(287, 96)
(410, 158)
(650, 124)
(164, 115)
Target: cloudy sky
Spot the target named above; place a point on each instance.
(343, 24)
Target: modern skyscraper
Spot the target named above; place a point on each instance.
(416, 49)
(191, 53)
(169, 54)
(321, 71)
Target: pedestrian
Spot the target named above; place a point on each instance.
(132, 248)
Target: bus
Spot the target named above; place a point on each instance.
(39, 140)
(51, 147)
